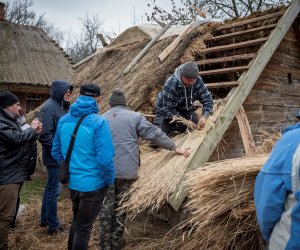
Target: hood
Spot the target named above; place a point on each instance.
(59, 88)
(84, 105)
(291, 127)
(178, 75)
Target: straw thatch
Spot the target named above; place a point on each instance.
(29, 56)
(146, 78)
(222, 207)
(161, 171)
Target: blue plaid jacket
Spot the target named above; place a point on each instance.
(173, 99)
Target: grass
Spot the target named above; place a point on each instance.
(31, 190)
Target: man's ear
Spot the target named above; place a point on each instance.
(98, 99)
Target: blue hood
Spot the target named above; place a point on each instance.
(84, 105)
(59, 88)
(291, 127)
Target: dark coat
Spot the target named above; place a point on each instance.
(54, 108)
(15, 151)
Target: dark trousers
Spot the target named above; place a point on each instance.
(112, 222)
(176, 127)
(14, 222)
(86, 207)
(8, 201)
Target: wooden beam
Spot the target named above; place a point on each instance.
(246, 133)
(234, 45)
(226, 59)
(236, 99)
(148, 46)
(296, 26)
(238, 33)
(224, 70)
(252, 20)
(162, 56)
(217, 85)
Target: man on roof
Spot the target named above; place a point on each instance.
(180, 91)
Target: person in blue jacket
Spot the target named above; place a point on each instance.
(55, 107)
(277, 193)
(91, 164)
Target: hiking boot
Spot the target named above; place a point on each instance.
(55, 231)
(42, 224)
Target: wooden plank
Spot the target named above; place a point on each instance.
(234, 45)
(221, 85)
(236, 99)
(245, 131)
(162, 56)
(252, 20)
(148, 46)
(238, 33)
(226, 59)
(224, 70)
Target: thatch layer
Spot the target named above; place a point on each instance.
(162, 170)
(146, 78)
(222, 206)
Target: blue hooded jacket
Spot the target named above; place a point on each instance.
(277, 193)
(91, 163)
(54, 108)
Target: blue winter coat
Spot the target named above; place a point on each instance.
(91, 163)
(277, 193)
(52, 110)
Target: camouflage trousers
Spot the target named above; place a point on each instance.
(112, 223)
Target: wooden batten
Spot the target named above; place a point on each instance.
(245, 131)
(226, 59)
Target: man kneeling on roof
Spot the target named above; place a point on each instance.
(126, 127)
(180, 91)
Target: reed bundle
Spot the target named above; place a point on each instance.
(162, 170)
(221, 205)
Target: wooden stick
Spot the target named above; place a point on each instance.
(175, 43)
(144, 51)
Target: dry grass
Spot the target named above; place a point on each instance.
(162, 170)
(266, 141)
(221, 205)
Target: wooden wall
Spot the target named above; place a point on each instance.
(273, 101)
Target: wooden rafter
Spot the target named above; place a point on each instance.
(226, 59)
(252, 20)
(222, 85)
(224, 70)
(236, 99)
(239, 33)
(235, 45)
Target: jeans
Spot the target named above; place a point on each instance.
(175, 127)
(50, 197)
(86, 207)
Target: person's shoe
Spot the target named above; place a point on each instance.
(42, 224)
(55, 231)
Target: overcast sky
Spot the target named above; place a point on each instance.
(117, 15)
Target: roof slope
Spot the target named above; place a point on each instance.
(28, 55)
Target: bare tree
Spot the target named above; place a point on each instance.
(183, 11)
(19, 11)
(86, 43)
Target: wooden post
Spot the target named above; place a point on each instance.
(144, 51)
(246, 133)
(175, 43)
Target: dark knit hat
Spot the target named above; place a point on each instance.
(90, 89)
(7, 99)
(117, 98)
(189, 70)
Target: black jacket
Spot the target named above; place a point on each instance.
(54, 108)
(15, 152)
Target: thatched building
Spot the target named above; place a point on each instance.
(29, 62)
(252, 62)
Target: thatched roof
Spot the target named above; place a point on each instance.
(29, 56)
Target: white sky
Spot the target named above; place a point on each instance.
(117, 15)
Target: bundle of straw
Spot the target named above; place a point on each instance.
(162, 170)
(221, 205)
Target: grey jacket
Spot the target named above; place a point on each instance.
(126, 127)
